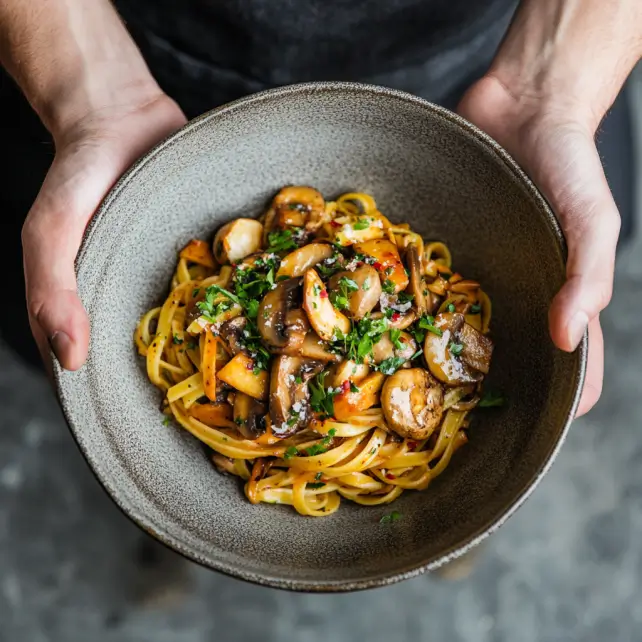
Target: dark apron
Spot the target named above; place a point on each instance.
(208, 52)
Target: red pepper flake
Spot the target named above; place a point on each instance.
(345, 386)
(250, 365)
(377, 266)
(323, 294)
(412, 445)
(360, 263)
(335, 224)
(396, 316)
(390, 476)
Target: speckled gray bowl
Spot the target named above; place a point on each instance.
(425, 166)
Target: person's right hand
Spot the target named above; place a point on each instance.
(91, 154)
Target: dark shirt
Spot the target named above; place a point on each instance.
(429, 47)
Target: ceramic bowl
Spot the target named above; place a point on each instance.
(425, 166)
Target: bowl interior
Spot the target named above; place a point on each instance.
(423, 166)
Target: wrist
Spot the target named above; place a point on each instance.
(570, 55)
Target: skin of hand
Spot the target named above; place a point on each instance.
(90, 157)
(84, 76)
(554, 77)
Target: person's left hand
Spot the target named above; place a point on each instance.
(553, 141)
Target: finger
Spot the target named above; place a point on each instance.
(595, 369)
(51, 236)
(591, 223)
(57, 317)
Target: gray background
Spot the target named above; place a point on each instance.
(567, 566)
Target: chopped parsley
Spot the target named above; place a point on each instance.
(298, 379)
(361, 224)
(321, 400)
(340, 298)
(492, 400)
(281, 241)
(428, 323)
(315, 485)
(166, 421)
(319, 449)
(192, 345)
(318, 476)
(475, 308)
(394, 337)
(353, 387)
(390, 518)
(239, 421)
(357, 344)
(290, 452)
(366, 285)
(331, 266)
(390, 365)
(451, 307)
(177, 340)
(195, 292)
(455, 348)
(404, 297)
(388, 286)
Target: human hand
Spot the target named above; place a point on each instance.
(553, 140)
(92, 151)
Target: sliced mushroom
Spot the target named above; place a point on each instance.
(386, 261)
(289, 394)
(385, 349)
(399, 321)
(237, 239)
(346, 371)
(362, 300)
(469, 363)
(416, 284)
(412, 403)
(324, 318)
(232, 333)
(273, 311)
(249, 416)
(314, 348)
(357, 229)
(478, 348)
(296, 263)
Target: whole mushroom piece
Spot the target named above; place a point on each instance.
(412, 402)
(289, 394)
(461, 355)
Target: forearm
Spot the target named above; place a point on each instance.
(71, 57)
(576, 52)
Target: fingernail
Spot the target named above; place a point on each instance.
(60, 344)
(577, 328)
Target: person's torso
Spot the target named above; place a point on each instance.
(267, 43)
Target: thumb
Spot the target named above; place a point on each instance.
(591, 222)
(51, 237)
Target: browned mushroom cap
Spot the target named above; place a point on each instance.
(295, 206)
(289, 394)
(461, 354)
(416, 285)
(273, 310)
(412, 403)
(232, 333)
(249, 415)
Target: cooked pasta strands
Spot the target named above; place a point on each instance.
(360, 457)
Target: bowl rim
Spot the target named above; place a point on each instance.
(378, 579)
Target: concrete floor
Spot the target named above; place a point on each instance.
(567, 567)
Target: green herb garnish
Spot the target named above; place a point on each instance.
(315, 485)
(390, 365)
(450, 307)
(177, 340)
(475, 308)
(353, 387)
(388, 287)
(492, 400)
(166, 421)
(391, 517)
(280, 241)
(361, 224)
(455, 348)
(290, 452)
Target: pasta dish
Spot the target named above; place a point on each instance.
(321, 352)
